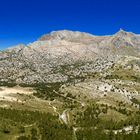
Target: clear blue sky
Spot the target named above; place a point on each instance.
(23, 21)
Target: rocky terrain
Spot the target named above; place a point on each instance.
(80, 78)
(44, 59)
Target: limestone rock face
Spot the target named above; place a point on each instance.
(54, 56)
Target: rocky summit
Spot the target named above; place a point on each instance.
(44, 59)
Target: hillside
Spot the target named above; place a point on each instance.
(77, 85)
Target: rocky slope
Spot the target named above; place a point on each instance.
(60, 55)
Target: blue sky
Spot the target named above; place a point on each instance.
(23, 21)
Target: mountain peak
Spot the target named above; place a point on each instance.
(64, 34)
(123, 33)
(122, 30)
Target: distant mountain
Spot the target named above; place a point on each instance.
(45, 60)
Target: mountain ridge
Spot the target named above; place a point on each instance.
(61, 32)
(39, 61)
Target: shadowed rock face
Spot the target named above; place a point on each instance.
(42, 60)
